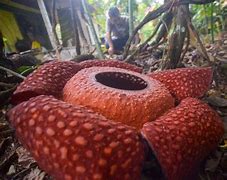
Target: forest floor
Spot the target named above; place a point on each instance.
(17, 164)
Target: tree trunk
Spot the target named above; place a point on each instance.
(177, 38)
(75, 28)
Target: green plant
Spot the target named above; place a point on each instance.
(209, 19)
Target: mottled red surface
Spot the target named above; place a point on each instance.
(131, 107)
(111, 63)
(185, 82)
(183, 137)
(72, 142)
(48, 79)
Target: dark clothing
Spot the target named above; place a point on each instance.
(118, 29)
(118, 43)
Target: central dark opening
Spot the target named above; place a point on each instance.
(121, 80)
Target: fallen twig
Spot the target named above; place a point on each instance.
(12, 72)
(6, 85)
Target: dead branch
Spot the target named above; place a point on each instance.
(151, 49)
(178, 37)
(167, 21)
(196, 35)
(143, 44)
(92, 52)
(2, 84)
(149, 17)
(156, 13)
(12, 72)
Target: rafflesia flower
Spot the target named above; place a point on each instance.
(85, 122)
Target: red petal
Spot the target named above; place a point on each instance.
(111, 63)
(48, 79)
(185, 82)
(72, 142)
(183, 137)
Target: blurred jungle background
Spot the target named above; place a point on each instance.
(172, 33)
